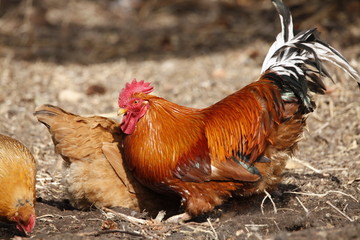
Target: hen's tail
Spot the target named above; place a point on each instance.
(49, 115)
(74, 136)
(296, 63)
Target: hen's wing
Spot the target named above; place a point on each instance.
(113, 155)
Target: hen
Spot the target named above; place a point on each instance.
(95, 174)
(239, 145)
(17, 184)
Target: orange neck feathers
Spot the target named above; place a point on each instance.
(162, 137)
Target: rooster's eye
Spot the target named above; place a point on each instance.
(136, 101)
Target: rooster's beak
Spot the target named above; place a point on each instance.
(121, 111)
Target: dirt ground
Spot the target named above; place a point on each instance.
(78, 54)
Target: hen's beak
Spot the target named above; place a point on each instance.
(121, 111)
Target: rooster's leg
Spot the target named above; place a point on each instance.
(179, 218)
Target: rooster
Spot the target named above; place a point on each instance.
(95, 175)
(237, 146)
(17, 184)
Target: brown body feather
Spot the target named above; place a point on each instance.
(95, 174)
(200, 154)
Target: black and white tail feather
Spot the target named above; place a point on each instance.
(295, 63)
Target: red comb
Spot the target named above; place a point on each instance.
(133, 87)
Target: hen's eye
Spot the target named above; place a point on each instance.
(136, 102)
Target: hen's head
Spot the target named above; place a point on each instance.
(132, 104)
(24, 218)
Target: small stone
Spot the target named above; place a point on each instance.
(68, 95)
(95, 89)
(218, 73)
(239, 232)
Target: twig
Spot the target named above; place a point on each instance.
(273, 203)
(318, 131)
(44, 178)
(212, 228)
(94, 219)
(342, 213)
(334, 169)
(45, 216)
(126, 217)
(262, 203)
(323, 194)
(198, 229)
(306, 164)
(289, 209)
(277, 226)
(254, 226)
(160, 216)
(67, 216)
(305, 209)
(98, 233)
(354, 180)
